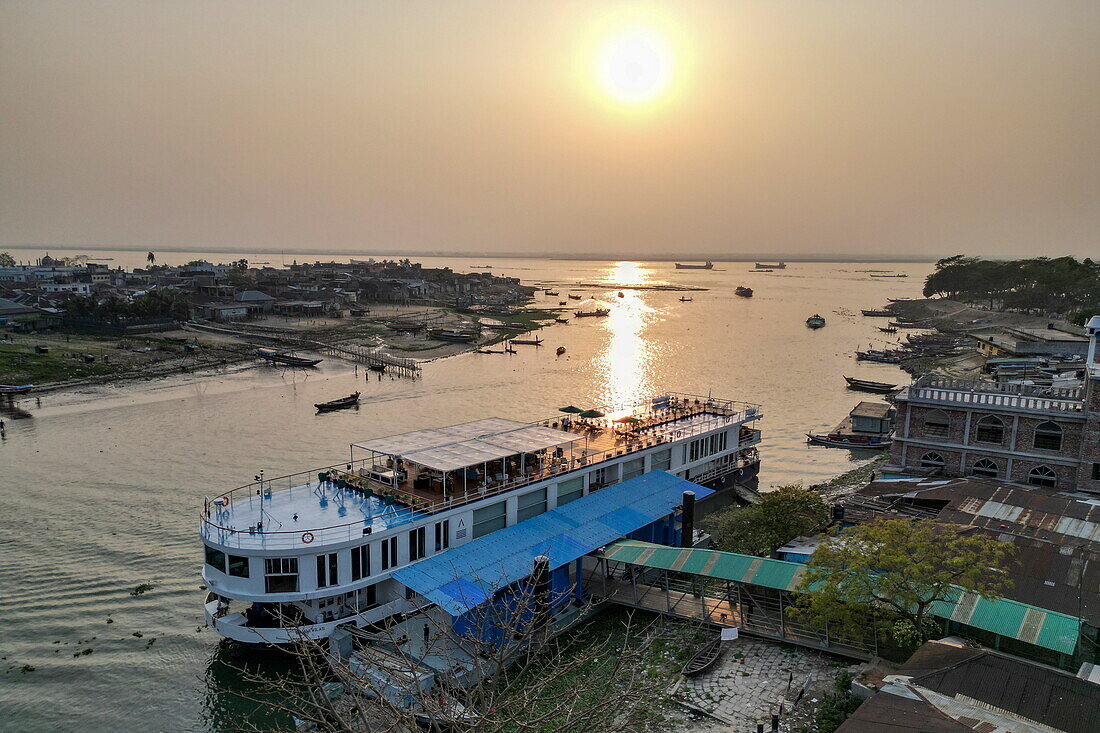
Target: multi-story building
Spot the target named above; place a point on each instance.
(1021, 434)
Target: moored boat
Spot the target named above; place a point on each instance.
(350, 401)
(848, 441)
(708, 265)
(775, 266)
(574, 297)
(685, 299)
(377, 366)
(561, 320)
(11, 389)
(593, 313)
(528, 342)
(279, 357)
(867, 385)
(888, 356)
(888, 329)
(743, 291)
(816, 321)
(560, 350)
(453, 335)
(705, 658)
(877, 313)
(883, 275)
(552, 292)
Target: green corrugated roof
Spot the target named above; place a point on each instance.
(1015, 620)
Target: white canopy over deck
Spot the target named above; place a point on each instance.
(468, 444)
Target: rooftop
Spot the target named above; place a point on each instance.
(1004, 395)
(865, 408)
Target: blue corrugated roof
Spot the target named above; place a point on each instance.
(465, 576)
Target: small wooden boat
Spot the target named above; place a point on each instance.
(848, 441)
(551, 292)
(12, 389)
(561, 320)
(452, 335)
(743, 291)
(907, 324)
(815, 321)
(866, 385)
(704, 659)
(528, 342)
(278, 357)
(377, 366)
(888, 329)
(574, 297)
(489, 351)
(561, 302)
(877, 313)
(882, 357)
(898, 275)
(684, 300)
(350, 401)
(599, 312)
(560, 350)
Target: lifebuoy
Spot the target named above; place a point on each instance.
(307, 537)
(222, 501)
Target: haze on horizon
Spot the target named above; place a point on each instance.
(861, 127)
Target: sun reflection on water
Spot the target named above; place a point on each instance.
(625, 365)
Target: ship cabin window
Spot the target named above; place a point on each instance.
(634, 468)
(490, 519)
(215, 558)
(530, 505)
(570, 490)
(238, 566)
(389, 553)
(661, 460)
(990, 430)
(600, 478)
(442, 535)
(932, 460)
(417, 548)
(1042, 476)
(281, 574)
(360, 562)
(937, 424)
(1048, 436)
(985, 467)
(328, 570)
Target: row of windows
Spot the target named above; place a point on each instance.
(1038, 476)
(991, 429)
(708, 446)
(231, 564)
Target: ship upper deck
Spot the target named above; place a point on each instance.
(416, 474)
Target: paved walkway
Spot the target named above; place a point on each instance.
(751, 680)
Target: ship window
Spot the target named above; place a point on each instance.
(327, 570)
(570, 490)
(1042, 476)
(238, 566)
(442, 535)
(281, 574)
(985, 467)
(937, 424)
(633, 468)
(360, 562)
(990, 430)
(489, 519)
(1048, 436)
(931, 460)
(530, 505)
(416, 544)
(215, 558)
(389, 553)
(662, 460)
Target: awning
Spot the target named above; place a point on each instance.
(466, 576)
(469, 444)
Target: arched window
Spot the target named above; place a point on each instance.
(1048, 436)
(937, 424)
(1042, 476)
(985, 467)
(931, 460)
(990, 430)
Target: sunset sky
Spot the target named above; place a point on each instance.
(724, 128)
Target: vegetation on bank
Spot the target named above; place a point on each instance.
(1060, 285)
(762, 528)
(157, 304)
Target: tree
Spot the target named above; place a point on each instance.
(764, 527)
(901, 566)
(6, 260)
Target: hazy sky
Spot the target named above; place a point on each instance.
(877, 127)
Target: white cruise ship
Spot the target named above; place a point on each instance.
(307, 553)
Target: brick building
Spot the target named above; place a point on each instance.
(1021, 434)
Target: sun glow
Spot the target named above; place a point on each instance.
(634, 66)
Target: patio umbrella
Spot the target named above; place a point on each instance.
(570, 409)
(591, 413)
(628, 419)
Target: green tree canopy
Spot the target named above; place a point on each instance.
(762, 528)
(6, 260)
(902, 566)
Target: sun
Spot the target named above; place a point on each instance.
(634, 66)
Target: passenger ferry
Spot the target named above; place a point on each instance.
(306, 553)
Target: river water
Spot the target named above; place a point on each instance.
(100, 487)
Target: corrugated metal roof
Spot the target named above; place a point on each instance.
(1031, 624)
(466, 576)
